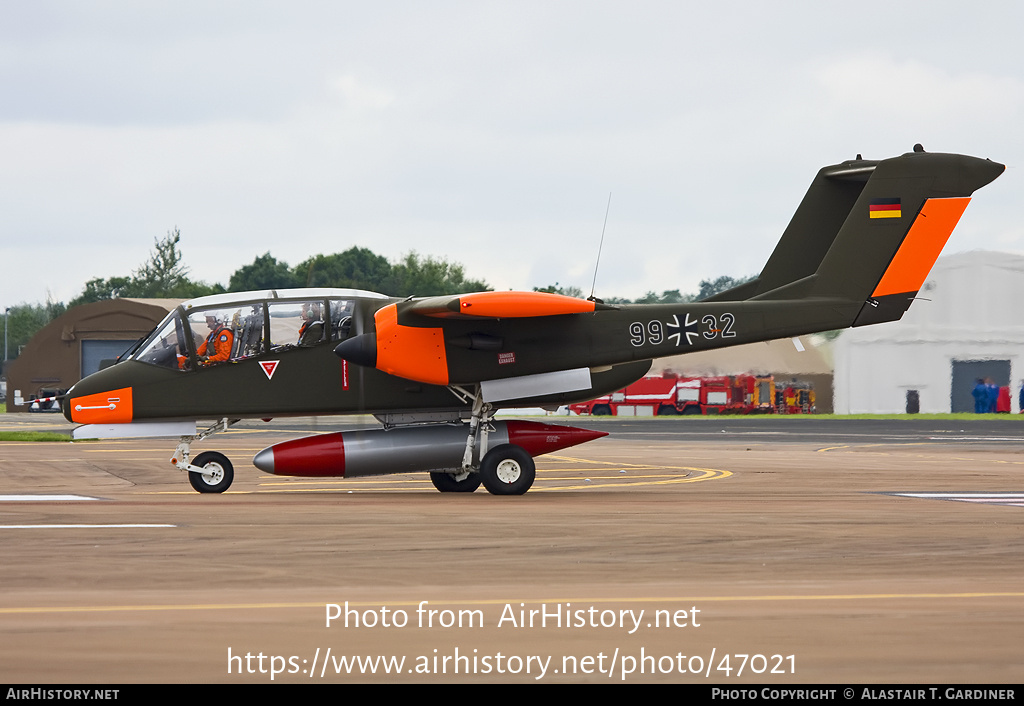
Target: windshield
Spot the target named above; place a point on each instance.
(164, 345)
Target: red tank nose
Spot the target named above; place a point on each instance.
(538, 438)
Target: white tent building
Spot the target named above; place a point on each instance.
(970, 327)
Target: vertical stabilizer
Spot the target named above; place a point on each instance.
(870, 232)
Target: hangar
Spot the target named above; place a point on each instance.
(969, 326)
(76, 343)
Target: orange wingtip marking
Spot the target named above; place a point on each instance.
(502, 305)
(114, 407)
(921, 247)
(410, 352)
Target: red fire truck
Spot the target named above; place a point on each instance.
(795, 398)
(672, 394)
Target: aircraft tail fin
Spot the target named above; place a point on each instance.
(810, 233)
(870, 231)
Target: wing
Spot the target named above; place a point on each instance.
(502, 305)
(410, 339)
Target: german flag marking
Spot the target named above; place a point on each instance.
(885, 208)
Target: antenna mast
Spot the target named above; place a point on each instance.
(593, 285)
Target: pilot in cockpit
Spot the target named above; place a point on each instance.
(312, 329)
(217, 346)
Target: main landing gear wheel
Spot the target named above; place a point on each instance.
(464, 482)
(508, 470)
(217, 473)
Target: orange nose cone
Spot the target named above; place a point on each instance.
(114, 407)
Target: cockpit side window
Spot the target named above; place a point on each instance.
(296, 323)
(226, 334)
(342, 311)
(249, 339)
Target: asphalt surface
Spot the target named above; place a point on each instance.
(739, 551)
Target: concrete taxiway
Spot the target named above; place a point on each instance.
(698, 551)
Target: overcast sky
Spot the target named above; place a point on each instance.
(488, 133)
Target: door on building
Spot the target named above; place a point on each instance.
(95, 352)
(913, 402)
(965, 376)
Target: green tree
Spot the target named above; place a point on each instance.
(669, 296)
(569, 291)
(709, 287)
(24, 320)
(427, 276)
(99, 289)
(265, 272)
(162, 275)
(357, 268)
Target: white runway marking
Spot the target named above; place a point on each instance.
(976, 438)
(1012, 499)
(135, 526)
(42, 498)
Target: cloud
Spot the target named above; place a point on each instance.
(487, 133)
(878, 88)
(358, 95)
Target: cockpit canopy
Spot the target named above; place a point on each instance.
(227, 328)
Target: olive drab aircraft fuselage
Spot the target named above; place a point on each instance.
(434, 369)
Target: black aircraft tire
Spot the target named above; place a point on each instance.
(508, 470)
(221, 473)
(446, 483)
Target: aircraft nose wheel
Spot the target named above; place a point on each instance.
(217, 473)
(508, 470)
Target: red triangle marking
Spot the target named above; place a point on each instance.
(269, 366)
